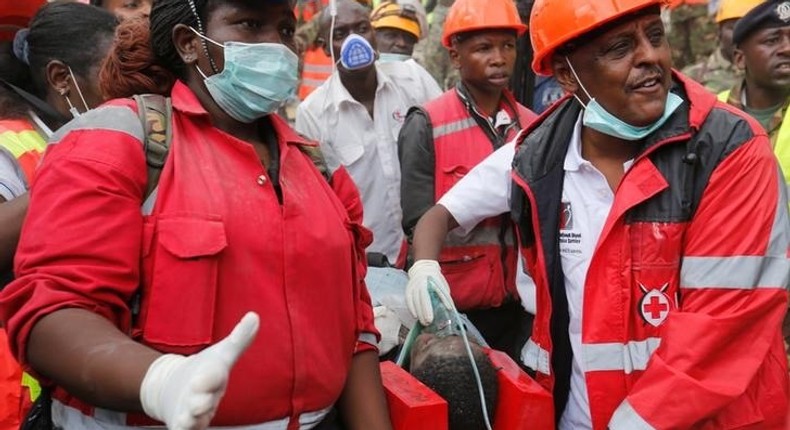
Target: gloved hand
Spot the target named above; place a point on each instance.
(388, 324)
(417, 298)
(184, 392)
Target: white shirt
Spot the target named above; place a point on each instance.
(483, 193)
(12, 182)
(586, 202)
(368, 147)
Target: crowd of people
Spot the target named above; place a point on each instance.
(228, 213)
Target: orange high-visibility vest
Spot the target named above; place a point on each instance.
(17, 389)
(317, 69)
(19, 139)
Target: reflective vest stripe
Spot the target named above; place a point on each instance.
(626, 357)
(109, 118)
(67, 417)
(724, 96)
(20, 142)
(625, 417)
(314, 83)
(318, 68)
(536, 358)
(453, 127)
(735, 273)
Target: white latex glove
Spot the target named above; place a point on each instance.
(388, 324)
(417, 298)
(184, 392)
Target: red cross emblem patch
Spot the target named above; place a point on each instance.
(654, 306)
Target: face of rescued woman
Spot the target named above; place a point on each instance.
(248, 22)
(627, 68)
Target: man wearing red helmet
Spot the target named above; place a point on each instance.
(444, 139)
(653, 221)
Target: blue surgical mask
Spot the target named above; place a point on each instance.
(257, 79)
(356, 53)
(388, 57)
(598, 118)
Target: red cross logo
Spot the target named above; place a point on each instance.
(654, 306)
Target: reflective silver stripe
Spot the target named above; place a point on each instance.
(148, 205)
(313, 82)
(113, 118)
(66, 417)
(742, 272)
(453, 127)
(480, 235)
(626, 418)
(318, 68)
(368, 338)
(617, 356)
(536, 358)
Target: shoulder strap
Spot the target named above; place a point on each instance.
(155, 113)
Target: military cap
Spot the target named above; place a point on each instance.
(771, 14)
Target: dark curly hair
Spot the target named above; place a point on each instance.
(130, 67)
(452, 377)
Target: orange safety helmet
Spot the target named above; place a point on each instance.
(735, 9)
(556, 22)
(471, 15)
(15, 15)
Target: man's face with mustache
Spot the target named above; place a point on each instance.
(626, 67)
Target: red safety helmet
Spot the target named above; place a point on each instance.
(556, 22)
(16, 14)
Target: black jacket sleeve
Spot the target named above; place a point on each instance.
(417, 165)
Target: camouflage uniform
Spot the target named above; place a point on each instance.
(432, 54)
(715, 73)
(692, 34)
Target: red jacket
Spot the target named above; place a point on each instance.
(480, 267)
(686, 289)
(218, 244)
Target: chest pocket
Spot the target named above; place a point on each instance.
(655, 271)
(180, 299)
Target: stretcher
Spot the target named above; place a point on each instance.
(522, 404)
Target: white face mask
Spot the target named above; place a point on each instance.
(598, 118)
(388, 57)
(256, 80)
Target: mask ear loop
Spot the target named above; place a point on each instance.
(77, 86)
(580, 84)
(202, 39)
(74, 112)
(468, 348)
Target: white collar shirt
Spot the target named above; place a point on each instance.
(586, 202)
(367, 146)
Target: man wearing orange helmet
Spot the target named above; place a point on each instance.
(446, 138)
(653, 220)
